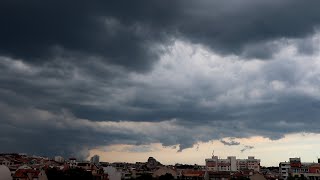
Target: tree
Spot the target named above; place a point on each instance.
(145, 177)
(70, 174)
(167, 176)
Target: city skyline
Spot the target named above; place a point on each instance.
(23, 166)
(201, 151)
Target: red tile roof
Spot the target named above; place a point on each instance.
(193, 173)
(23, 173)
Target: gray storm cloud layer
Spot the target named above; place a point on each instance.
(83, 74)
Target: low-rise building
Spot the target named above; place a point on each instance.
(27, 174)
(59, 159)
(222, 175)
(163, 171)
(113, 173)
(192, 175)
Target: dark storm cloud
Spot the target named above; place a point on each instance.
(127, 32)
(79, 74)
(34, 98)
(230, 27)
(39, 30)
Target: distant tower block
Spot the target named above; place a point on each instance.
(95, 159)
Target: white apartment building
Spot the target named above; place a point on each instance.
(284, 169)
(232, 164)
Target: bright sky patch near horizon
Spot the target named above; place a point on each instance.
(270, 152)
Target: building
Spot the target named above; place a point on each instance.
(210, 175)
(95, 159)
(216, 164)
(257, 176)
(72, 162)
(59, 159)
(296, 168)
(6, 162)
(284, 169)
(27, 174)
(5, 173)
(252, 164)
(190, 174)
(113, 173)
(163, 171)
(232, 164)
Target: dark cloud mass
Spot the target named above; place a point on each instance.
(124, 32)
(82, 74)
(230, 143)
(39, 30)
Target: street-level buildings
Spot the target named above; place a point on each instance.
(296, 168)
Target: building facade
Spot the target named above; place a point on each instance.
(232, 164)
(296, 168)
(284, 169)
(95, 159)
(59, 159)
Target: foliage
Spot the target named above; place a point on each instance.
(167, 176)
(240, 178)
(144, 177)
(70, 174)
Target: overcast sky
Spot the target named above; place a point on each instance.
(79, 77)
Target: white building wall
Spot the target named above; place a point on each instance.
(59, 159)
(284, 169)
(233, 163)
(5, 173)
(113, 173)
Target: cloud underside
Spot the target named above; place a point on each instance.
(173, 73)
